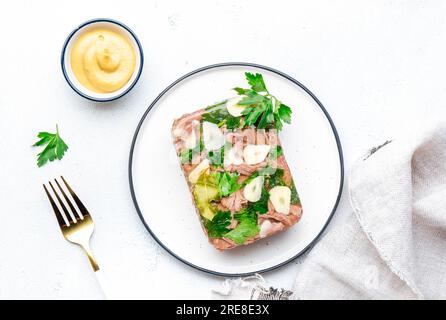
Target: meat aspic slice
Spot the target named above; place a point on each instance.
(235, 167)
(225, 188)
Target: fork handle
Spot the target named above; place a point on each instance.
(91, 258)
(106, 288)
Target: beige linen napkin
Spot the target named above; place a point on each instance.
(393, 246)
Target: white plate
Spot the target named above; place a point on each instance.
(160, 192)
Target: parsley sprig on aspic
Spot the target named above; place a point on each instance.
(246, 228)
(55, 147)
(263, 110)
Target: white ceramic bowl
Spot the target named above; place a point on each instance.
(66, 61)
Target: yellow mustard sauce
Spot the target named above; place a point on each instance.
(102, 60)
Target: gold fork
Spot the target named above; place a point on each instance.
(79, 226)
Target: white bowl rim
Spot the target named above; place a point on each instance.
(80, 90)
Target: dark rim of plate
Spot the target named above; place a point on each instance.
(67, 41)
(235, 64)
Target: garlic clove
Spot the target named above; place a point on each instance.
(280, 197)
(254, 154)
(253, 190)
(233, 107)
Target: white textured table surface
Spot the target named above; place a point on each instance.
(376, 65)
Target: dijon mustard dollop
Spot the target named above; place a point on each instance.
(102, 60)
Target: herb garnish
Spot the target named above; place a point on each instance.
(275, 152)
(262, 110)
(217, 157)
(247, 227)
(219, 115)
(217, 227)
(55, 147)
(226, 182)
(294, 195)
(276, 179)
(261, 206)
(233, 122)
(187, 155)
(247, 218)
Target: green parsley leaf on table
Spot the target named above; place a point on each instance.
(217, 227)
(55, 147)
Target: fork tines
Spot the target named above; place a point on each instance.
(71, 215)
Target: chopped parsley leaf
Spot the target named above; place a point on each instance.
(247, 227)
(217, 227)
